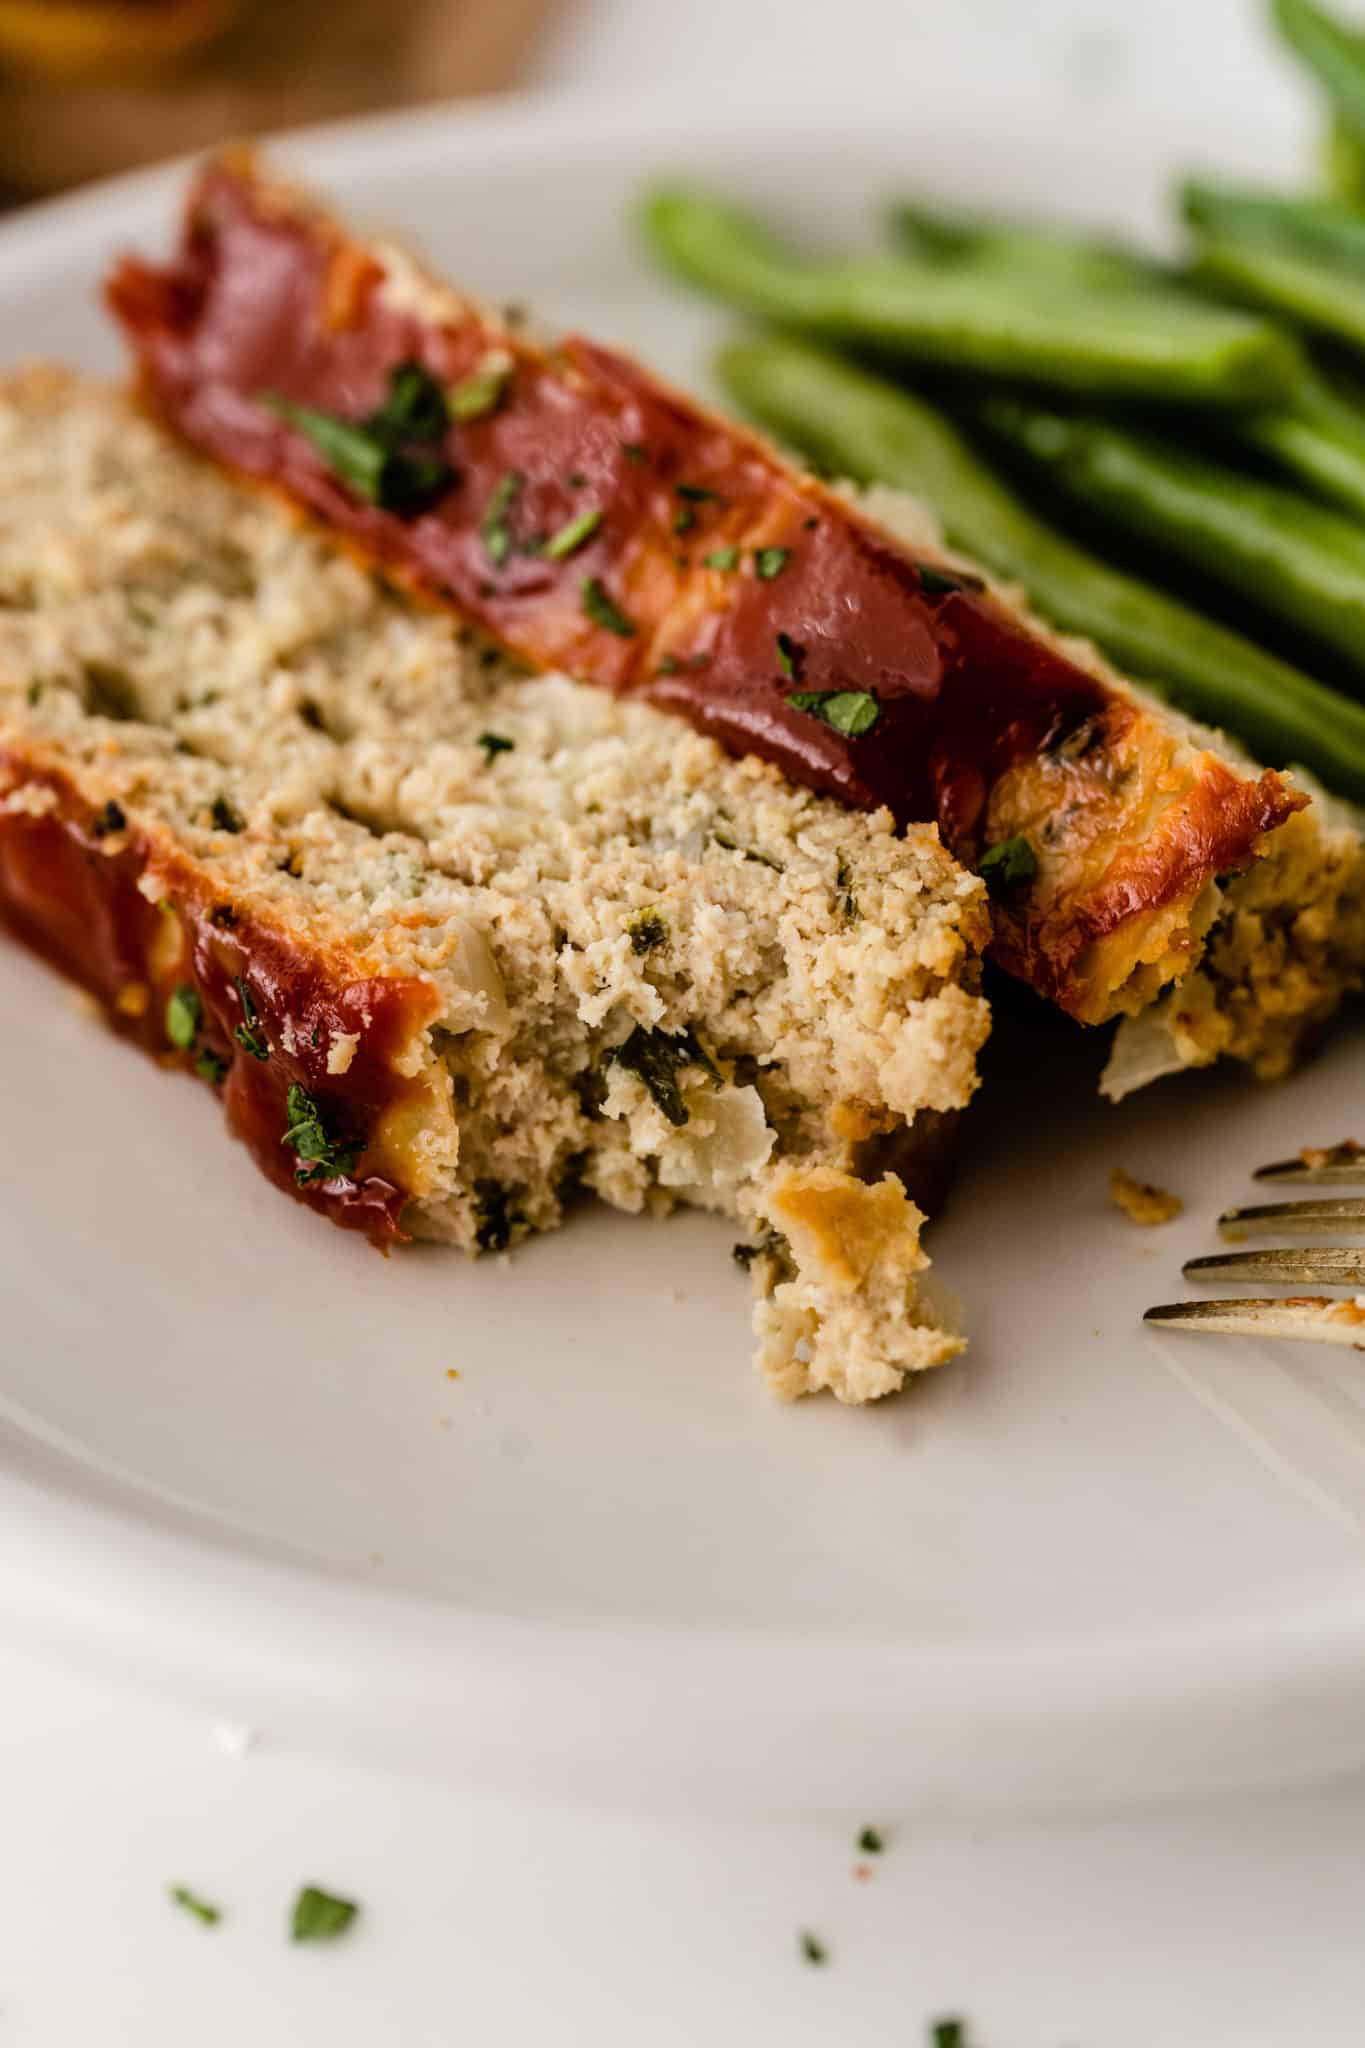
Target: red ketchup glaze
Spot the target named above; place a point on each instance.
(259, 301)
(69, 889)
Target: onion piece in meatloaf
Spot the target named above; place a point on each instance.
(1156, 875)
(451, 941)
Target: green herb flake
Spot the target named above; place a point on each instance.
(494, 531)
(871, 1842)
(110, 819)
(770, 562)
(494, 1216)
(482, 392)
(210, 1066)
(851, 712)
(414, 409)
(698, 494)
(397, 480)
(943, 583)
(495, 743)
(1009, 866)
(183, 1011)
(843, 891)
(724, 559)
(599, 608)
(323, 1156)
(577, 480)
(812, 1948)
(571, 537)
(633, 451)
(320, 1915)
(669, 665)
(948, 2034)
(788, 654)
(225, 819)
(204, 1913)
(656, 1058)
(749, 852)
(648, 930)
(247, 1035)
(684, 522)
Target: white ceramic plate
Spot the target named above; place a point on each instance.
(1086, 1564)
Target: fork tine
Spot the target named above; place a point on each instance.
(1322, 1265)
(1261, 1219)
(1312, 1319)
(1343, 1164)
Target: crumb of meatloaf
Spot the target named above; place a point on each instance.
(1142, 1201)
(666, 975)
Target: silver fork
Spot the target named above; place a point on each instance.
(1312, 1318)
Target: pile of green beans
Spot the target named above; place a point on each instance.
(1202, 419)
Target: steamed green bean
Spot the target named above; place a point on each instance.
(1127, 343)
(860, 426)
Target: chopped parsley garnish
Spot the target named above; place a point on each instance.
(494, 1216)
(110, 819)
(843, 889)
(788, 654)
(1008, 866)
(204, 1913)
(943, 583)
(749, 852)
(633, 451)
(851, 712)
(415, 408)
(698, 494)
(571, 537)
(210, 1066)
(324, 1157)
(576, 480)
(495, 743)
(871, 1842)
(648, 930)
(400, 480)
(669, 665)
(724, 559)
(320, 1916)
(683, 523)
(225, 819)
(598, 606)
(481, 393)
(812, 1948)
(183, 1011)
(247, 1035)
(948, 2034)
(494, 531)
(770, 562)
(656, 1058)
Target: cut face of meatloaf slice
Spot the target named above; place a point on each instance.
(591, 519)
(452, 941)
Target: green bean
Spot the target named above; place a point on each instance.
(1344, 163)
(859, 426)
(1134, 343)
(976, 241)
(1301, 258)
(1319, 441)
(1297, 560)
(1332, 52)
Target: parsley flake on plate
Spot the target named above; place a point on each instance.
(320, 1915)
(322, 1156)
(204, 1913)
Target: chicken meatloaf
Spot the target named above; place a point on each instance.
(451, 942)
(591, 519)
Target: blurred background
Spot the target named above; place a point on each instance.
(88, 87)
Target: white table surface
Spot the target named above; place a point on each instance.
(1238, 1924)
